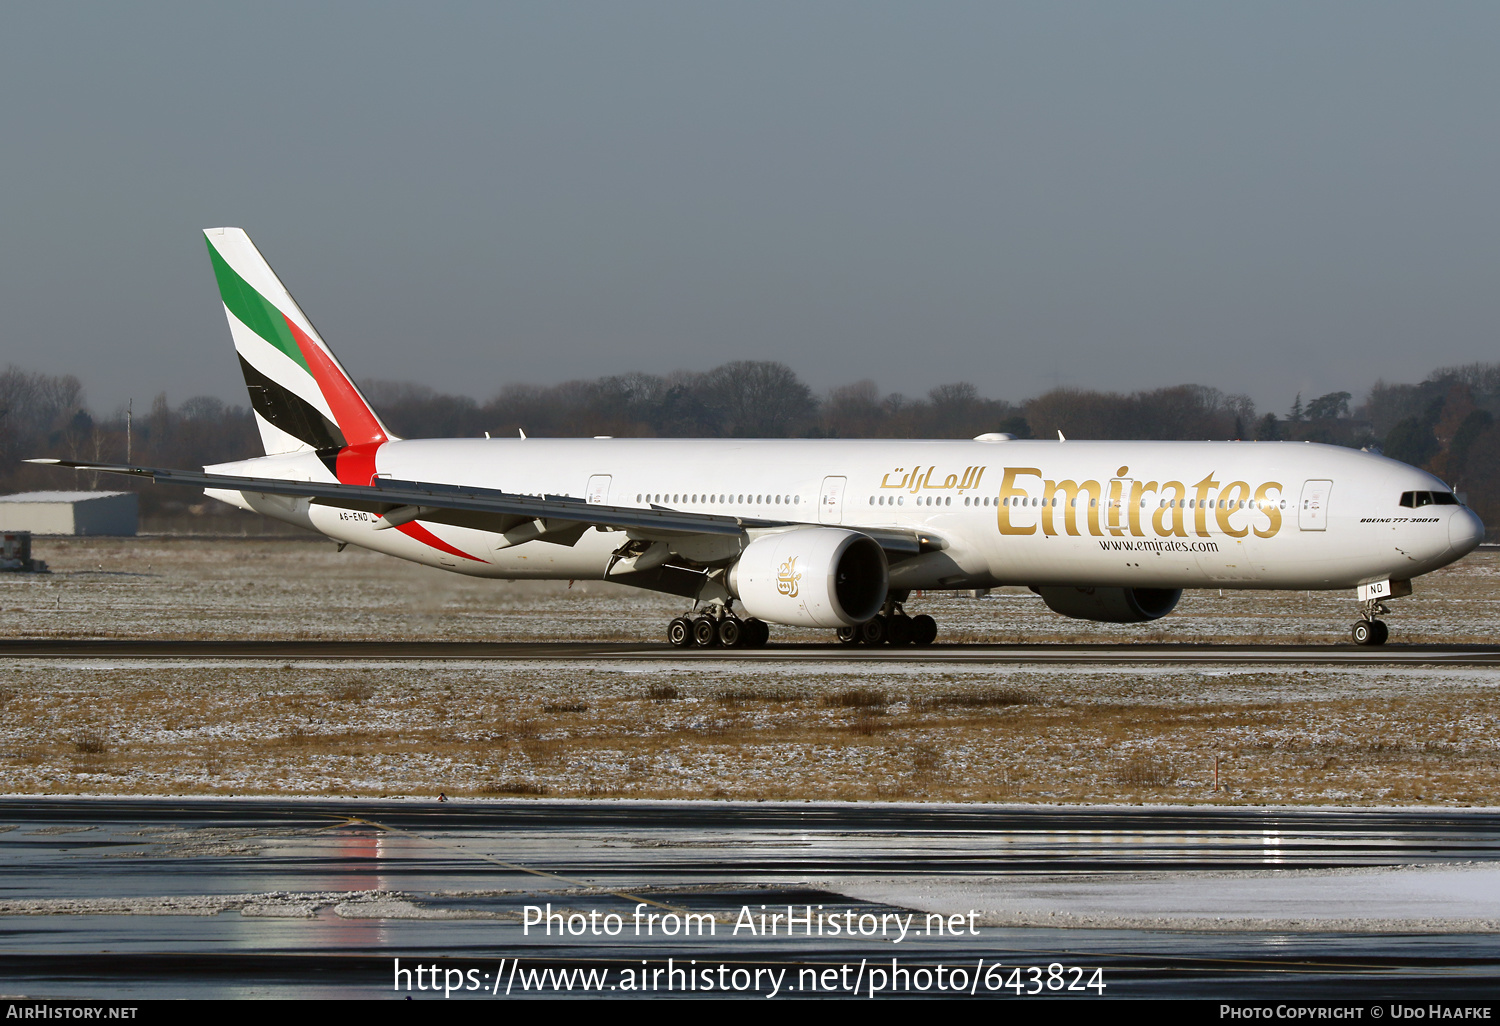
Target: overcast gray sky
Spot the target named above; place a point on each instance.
(1260, 197)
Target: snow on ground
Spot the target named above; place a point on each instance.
(187, 587)
(834, 728)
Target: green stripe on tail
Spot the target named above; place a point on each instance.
(253, 309)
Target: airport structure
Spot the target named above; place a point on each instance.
(75, 513)
(15, 554)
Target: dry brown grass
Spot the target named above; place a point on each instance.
(1144, 771)
(856, 698)
(740, 695)
(88, 741)
(520, 788)
(773, 731)
(565, 707)
(988, 698)
(354, 691)
(1041, 736)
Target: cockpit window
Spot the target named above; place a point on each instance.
(1415, 500)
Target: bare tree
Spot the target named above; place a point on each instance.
(760, 398)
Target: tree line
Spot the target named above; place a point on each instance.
(1445, 423)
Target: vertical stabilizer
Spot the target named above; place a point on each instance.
(301, 395)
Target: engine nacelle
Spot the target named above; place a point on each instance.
(1111, 605)
(811, 577)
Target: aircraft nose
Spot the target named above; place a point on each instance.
(1465, 531)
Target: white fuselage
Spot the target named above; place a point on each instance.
(1134, 514)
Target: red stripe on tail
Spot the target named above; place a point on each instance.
(355, 419)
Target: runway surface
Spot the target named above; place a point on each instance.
(1145, 654)
(139, 898)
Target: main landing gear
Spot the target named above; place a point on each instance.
(717, 628)
(1368, 630)
(891, 626)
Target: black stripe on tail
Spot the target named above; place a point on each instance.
(290, 412)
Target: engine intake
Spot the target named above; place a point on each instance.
(811, 577)
(1111, 605)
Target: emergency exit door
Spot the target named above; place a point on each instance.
(1312, 514)
(831, 500)
(598, 493)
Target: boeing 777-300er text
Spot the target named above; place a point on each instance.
(826, 533)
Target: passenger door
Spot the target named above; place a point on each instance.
(598, 493)
(831, 500)
(1116, 503)
(1312, 514)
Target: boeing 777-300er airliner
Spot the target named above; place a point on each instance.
(827, 533)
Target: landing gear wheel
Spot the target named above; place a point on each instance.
(705, 632)
(1370, 632)
(1382, 632)
(872, 632)
(756, 633)
(899, 629)
(849, 635)
(680, 632)
(923, 629)
(731, 632)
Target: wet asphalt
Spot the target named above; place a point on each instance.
(294, 889)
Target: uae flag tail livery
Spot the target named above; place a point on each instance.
(302, 397)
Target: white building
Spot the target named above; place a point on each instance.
(91, 513)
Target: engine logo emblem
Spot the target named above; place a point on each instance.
(787, 578)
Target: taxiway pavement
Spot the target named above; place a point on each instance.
(384, 651)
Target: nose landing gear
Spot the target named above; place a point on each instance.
(1368, 630)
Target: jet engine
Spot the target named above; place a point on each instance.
(811, 577)
(1111, 605)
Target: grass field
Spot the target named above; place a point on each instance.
(836, 729)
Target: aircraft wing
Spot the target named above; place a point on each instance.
(488, 509)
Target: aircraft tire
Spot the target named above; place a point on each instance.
(1382, 632)
(923, 629)
(756, 633)
(873, 631)
(680, 632)
(848, 635)
(1363, 633)
(731, 632)
(705, 632)
(899, 630)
